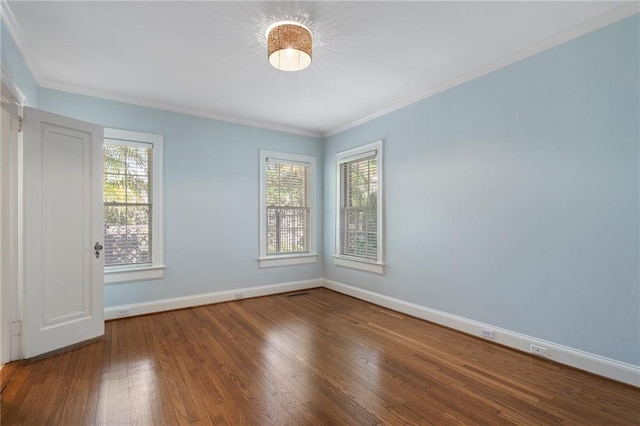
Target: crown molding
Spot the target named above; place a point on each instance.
(615, 15)
(174, 108)
(11, 84)
(14, 29)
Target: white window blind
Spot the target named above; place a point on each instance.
(288, 212)
(359, 208)
(128, 203)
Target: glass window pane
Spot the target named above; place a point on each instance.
(359, 212)
(288, 208)
(128, 209)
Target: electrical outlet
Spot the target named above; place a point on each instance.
(239, 296)
(122, 312)
(488, 334)
(538, 350)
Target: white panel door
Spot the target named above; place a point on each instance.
(63, 221)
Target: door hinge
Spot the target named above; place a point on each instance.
(16, 328)
(19, 124)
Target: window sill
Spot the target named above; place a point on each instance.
(116, 276)
(362, 265)
(298, 259)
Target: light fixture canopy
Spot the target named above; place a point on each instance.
(289, 46)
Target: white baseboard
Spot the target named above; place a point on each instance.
(616, 370)
(144, 308)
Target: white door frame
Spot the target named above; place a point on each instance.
(12, 253)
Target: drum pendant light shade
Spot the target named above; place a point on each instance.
(289, 46)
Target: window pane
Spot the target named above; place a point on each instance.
(127, 235)
(128, 208)
(359, 220)
(137, 160)
(288, 208)
(137, 188)
(115, 188)
(114, 159)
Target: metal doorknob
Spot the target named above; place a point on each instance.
(97, 248)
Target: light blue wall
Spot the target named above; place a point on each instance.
(14, 63)
(211, 190)
(513, 199)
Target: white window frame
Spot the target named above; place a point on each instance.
(269, 261)
(129, 273)
(375, 266)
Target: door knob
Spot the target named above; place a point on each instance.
(97, 248)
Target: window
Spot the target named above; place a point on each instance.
(133, 246)
(359, 208)
(287, 209)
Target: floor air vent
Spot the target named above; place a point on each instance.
(297, 294)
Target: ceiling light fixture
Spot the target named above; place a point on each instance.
(289, 45)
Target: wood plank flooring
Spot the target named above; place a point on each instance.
(319, 358)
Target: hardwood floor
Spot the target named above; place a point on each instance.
(319, 358)
(7, 372)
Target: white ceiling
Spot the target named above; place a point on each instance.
(210, 58)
